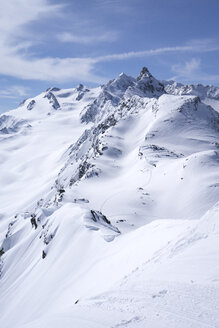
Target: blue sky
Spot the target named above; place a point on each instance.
(47, 43)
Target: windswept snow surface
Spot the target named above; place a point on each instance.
(109, 210)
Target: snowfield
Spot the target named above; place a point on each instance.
(109, 212)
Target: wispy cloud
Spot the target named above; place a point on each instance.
(188, 68)
(87, 39)
(116, 6)
(193, 46)
(14, 91)
(17, 59)
(48, 69)
(68, 69)
(15, 14)
(192, 71)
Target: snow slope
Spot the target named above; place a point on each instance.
(109, 207)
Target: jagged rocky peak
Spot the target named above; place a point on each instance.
(122, 87)
(81, 90)
(80, 87)
(202, 91)
(144, 74)
(121, 83)
(110, 96)
(123, 76)
(148, 84)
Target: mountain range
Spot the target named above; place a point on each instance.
(109, 211)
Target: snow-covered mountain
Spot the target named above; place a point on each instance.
(109, 210)
(200, 90)
(209, 94)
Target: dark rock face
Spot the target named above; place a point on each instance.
(81, 94)
(22, 102)
(148, 84)
(83, 168)
(144, 73)
(105, 125)
(53, 89)
(31, 105)
(52, 100)
(80, 87)
(98, 216)
(101, 219)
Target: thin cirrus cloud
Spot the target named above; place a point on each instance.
(192, 70)
(15, 14)
(196, 46)
(14, 92)
(87, 39)
(68, 69)
(188, 68)
(17, 60)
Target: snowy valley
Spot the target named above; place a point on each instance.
(109, 211)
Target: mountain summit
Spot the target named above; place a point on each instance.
(149, 84)
(109, 206)
(144, 74)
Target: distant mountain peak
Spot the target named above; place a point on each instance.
(144, 74)
(123, 75)
(148, 84)
(80, 87)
